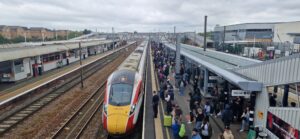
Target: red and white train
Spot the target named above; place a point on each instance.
(124, 93)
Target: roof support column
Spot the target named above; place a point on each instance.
(13, 73)
(177, 60)
(252, 109)
(205, 86)
(285, 96)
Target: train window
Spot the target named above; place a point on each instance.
(120, 94)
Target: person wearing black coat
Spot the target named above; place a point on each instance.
(155, 100)
(227, 115)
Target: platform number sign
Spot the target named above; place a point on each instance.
(241, 93)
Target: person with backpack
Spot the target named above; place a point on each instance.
(206, 129)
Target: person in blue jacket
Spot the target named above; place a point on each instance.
(176, 128)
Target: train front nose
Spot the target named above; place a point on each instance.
(117, 119)
(117, 124)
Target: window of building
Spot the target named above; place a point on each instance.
(64, 55)
(19, 67)
(5, 67)
(51, 57)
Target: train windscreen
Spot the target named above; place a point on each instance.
(120, 94)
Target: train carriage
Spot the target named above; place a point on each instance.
(124, 94)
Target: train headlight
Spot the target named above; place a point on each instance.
(105, 109)
(132, 109)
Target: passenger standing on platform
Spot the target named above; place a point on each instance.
(227, 133)
(222, 100)
(188, 75)
(166, 72)
(169, 103)
(206, 129)
(181, 70)
(235, 107)
(171, 93)
(195, 84)
(227, 115)
(181, 88)
(199, 118)
(192, 107)
(178, 111)
(197, 95)
(176, 128)
(245, 119)
(207, 108)
(185, 78)
(195, 134)
(155, 100)
(273, 100)
(162, 93)
(216, 107)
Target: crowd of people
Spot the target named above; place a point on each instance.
(218, 106)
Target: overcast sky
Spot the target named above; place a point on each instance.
(144, 15)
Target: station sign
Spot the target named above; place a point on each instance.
(270, 48)
(213, 77)
(277, 52)
(240, 93)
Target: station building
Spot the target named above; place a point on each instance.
(259, 35)
(23, 61)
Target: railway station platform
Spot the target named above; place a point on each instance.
(28, 85)
(154, 128)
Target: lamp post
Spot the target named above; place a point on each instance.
(80, 49)
(205, 23)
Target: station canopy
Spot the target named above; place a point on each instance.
(221, 64)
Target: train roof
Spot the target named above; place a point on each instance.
(133, 61)
(123, 76)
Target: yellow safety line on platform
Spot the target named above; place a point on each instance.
(157, 121)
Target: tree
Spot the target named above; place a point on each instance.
(3, 40)
(18, 39)
(73, 34)
(208, 34)
(85, 31)
(59, 37)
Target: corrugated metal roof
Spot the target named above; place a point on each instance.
(211, 61)
(22, 52)
(226, 60)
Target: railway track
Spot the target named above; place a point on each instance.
(78, 121)
(20, 114)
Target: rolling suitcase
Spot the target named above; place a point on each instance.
(167, 120)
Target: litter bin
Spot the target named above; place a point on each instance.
(262, 135)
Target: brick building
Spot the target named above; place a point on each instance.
(34, 33)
